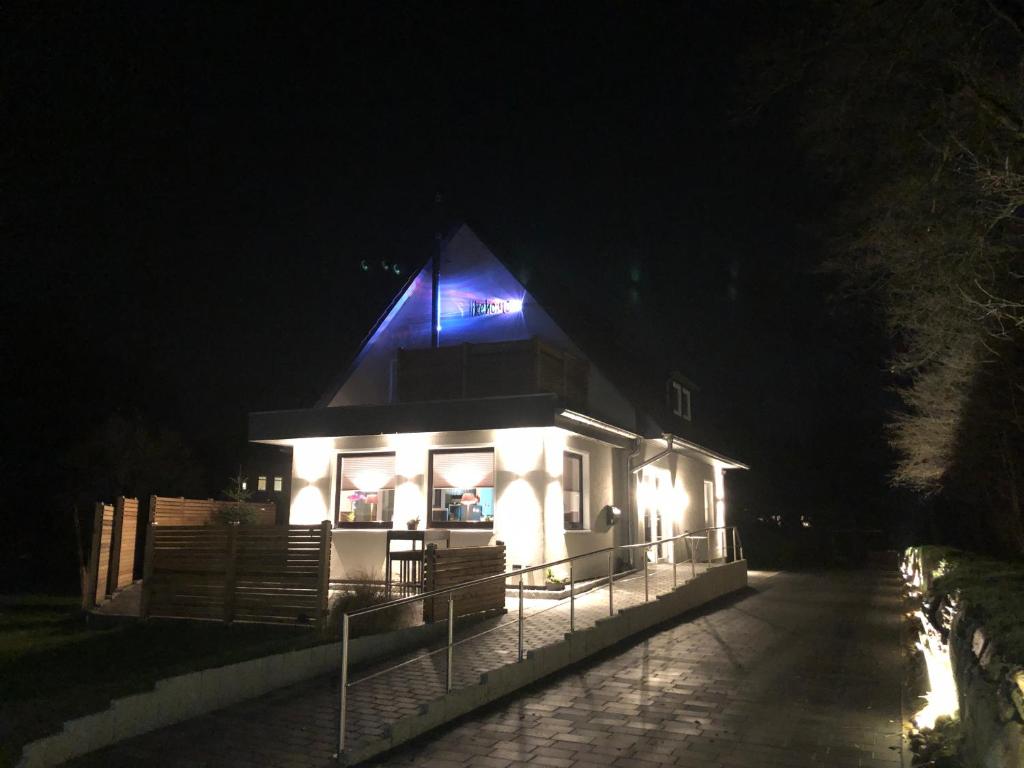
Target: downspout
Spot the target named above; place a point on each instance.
(631, 505)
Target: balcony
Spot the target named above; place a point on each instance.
(491, 370)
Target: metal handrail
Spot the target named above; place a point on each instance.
(737, 551)
(528, 569)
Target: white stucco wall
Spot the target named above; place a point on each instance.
(528, 515)
(672, 489)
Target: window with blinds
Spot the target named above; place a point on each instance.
(572, 490)
(462, 488)
(366, 490)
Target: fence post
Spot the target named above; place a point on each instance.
(324, 573)
(520, 656)
(611, 581)
(94, 554)
(147, 569)
(451, 637)
(429, 581)
(231, 573)
(647, 593)
(735, 551)
(572, 599)
(343, 688)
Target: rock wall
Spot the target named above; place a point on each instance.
(991, 694)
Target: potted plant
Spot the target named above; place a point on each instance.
(413, 523)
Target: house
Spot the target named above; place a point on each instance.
(267, 476)
(468, 408)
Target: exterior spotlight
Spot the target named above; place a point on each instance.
(396, 269)
(612, 514)
(364, 266)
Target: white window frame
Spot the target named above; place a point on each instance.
(278, 484)
(584, 492)
(261, 483)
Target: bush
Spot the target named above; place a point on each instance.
(992, 591)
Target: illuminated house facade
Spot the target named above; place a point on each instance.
(467, 408)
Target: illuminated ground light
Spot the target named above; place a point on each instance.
(941, 697)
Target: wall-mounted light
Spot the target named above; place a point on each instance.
(612, 515)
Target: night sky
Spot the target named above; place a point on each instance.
(189, 192)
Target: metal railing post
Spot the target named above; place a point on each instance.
(572, 599)
(611, 582)
(735, 550)
(451, 634)
(709, 530)
(693, 558)
(520, 657)
(343, 708)
(647, 592)
(675, 579)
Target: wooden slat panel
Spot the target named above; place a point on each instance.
(276, 573)
(102, 540)
(171, 511)
(449, 567)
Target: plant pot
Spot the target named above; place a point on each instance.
(412, 526)
(555, 586)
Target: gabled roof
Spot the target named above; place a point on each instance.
(620, 360)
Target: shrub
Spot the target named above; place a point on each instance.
(363, 592)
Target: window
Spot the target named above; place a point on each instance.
(278, 484)
(261, 483)
(680, 400)
(572, 490)
(366, 490)
(462, 489)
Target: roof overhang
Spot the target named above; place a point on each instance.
(685, 447)
(435, 416)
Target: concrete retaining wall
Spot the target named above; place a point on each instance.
(179, 698)
(718, 581)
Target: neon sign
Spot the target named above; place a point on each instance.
(483, 307)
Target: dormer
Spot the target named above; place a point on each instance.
(679, 395)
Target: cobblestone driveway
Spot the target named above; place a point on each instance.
(802, 671)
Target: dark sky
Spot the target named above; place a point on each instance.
(190, 190)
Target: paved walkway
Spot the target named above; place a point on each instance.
(803, 671)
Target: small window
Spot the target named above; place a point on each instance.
(261, 483)
(680, 401)
(366, 490)
(278, 484)
(572, 491)
(462, 489)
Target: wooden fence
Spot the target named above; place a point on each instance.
(268, 574)
(99, 554)
(448, 567)
(169, 510)
(122, 543)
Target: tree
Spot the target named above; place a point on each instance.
(240, 510)
(911, 116)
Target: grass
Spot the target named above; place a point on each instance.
(993, 590)
(55, 665)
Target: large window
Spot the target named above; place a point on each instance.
(462, 489)
(366, 490)
(572, 490)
